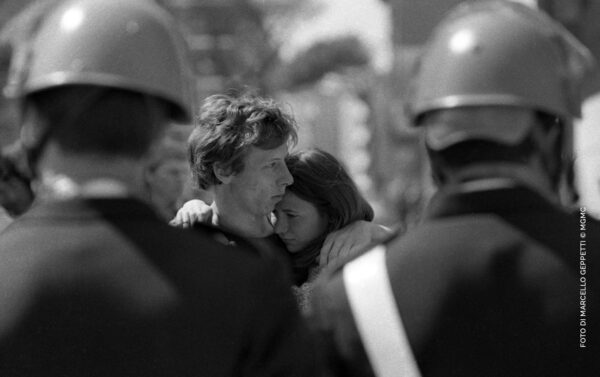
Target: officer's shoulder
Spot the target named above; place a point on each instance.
(337, 266)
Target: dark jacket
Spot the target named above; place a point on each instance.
(104, 288)
(488, 285)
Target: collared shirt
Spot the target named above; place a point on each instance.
(62, 187)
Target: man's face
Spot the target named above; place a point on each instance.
(261, 183)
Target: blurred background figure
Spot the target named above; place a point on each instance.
(343, 67)
(167, 174)
(16, 193)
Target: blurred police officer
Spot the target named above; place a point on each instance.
(500, 279)
(92, 281)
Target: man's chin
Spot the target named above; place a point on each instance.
(274, 201)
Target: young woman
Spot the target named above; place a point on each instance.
(322, 199)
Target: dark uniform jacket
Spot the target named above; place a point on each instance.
(102, 287)
(493, 283)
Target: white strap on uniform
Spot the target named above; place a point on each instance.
(377, 318)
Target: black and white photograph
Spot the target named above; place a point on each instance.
(302, 188)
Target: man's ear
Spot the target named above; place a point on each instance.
(224, 175)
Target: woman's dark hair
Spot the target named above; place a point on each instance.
(319, 178)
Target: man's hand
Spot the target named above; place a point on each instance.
(192, 212)
(352, 240)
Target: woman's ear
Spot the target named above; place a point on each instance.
(224, 175)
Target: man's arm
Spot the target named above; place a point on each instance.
(354, 239)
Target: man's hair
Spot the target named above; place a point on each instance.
(228, 126)
(94, 119)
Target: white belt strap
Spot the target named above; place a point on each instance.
(377, 318)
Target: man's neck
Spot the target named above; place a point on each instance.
(240, 222)
(83, 169)
(486, 176)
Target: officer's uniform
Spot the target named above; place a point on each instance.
(92, 281)
(103, 287)
(499, 279)
(488, 285)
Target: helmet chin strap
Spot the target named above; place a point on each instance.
(568, 192)
(567, 179)
(555, 146)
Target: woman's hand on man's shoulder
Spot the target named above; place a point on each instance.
(192, 212)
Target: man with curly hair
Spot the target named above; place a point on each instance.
(237, 152)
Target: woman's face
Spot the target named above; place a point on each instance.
(298, 222)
